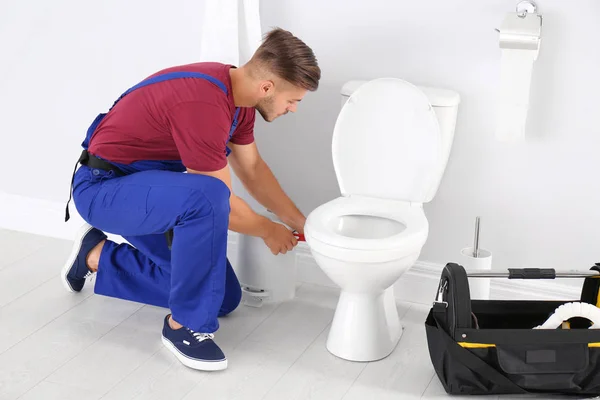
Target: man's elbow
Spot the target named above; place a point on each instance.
(255, 172)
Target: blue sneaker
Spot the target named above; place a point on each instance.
(75, 270)
(193, 349)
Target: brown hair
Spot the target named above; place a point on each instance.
(289, 58)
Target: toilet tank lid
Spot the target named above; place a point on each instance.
(437, 97)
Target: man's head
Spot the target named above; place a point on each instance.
(281, 71)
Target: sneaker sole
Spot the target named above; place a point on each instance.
(73, 256)
(192, 363)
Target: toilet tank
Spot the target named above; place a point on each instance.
(445, 105)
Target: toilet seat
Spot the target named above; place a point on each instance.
(322, 235)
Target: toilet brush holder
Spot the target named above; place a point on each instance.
(475, 259)
(479, 288)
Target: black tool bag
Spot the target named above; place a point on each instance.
(488, 347)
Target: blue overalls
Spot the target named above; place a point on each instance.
(194, 279)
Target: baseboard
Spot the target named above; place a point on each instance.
(417, 285)
(41, 217)
(37, 216)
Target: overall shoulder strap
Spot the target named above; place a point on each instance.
(235, 122)
(232, 129)
(173, 75)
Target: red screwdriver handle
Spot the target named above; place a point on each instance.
(299, 236)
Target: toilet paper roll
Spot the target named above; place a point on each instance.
(479, 288)
(513, 101)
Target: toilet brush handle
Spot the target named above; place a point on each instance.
(476, 244)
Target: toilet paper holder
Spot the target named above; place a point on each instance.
(522, 29)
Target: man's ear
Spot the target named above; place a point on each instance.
(267, 88)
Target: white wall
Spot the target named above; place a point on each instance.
(65, 61)
(540, 200)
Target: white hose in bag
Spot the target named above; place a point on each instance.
(572, 310)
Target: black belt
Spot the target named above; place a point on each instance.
(92, 161)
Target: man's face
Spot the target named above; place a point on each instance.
(275, 103)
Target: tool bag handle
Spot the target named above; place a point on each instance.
(532, 273)
(452, 304)
(453, 299)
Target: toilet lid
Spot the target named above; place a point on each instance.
(386, 142)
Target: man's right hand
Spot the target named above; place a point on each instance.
(279, 238)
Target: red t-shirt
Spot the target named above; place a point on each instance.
(184, 119)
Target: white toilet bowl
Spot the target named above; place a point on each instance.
(390, 147)
(364, 246)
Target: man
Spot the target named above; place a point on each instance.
(130, 183)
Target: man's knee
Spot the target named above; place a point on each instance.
(214, 192)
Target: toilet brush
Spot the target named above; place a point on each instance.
(477, 259)
(476, 244)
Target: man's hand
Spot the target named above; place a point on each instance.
(279, 239)
(298, 224)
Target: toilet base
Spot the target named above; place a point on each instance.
(365, 327)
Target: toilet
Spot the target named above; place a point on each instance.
(390, 147)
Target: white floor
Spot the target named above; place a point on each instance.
(59, 345)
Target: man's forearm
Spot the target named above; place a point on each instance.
(243, 219)
(263, 186)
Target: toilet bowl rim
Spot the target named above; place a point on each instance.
(413, 218)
